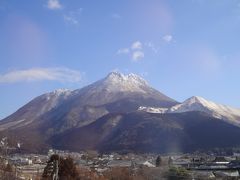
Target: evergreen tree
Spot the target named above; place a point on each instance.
(60, 168)
(158, 161)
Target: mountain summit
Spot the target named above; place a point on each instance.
(116, 87)
(199, 104)
(120, 82)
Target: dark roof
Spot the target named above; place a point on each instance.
(220, 159)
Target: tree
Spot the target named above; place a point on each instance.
(61, 168)
(158, 161)
(6, 171)
(68, 169)
(180, 173)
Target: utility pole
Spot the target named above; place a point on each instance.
(55, 169)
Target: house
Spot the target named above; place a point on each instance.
(226, 173)
(120, 163)
(220, 161)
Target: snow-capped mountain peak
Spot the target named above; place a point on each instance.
(117, 86)
(119, 77)
(114, 74)
(116, 81)
(197, 103)
(196, 99)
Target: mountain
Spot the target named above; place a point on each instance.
(121, 113)
(196, 103)
(61, 110)
(114, 93)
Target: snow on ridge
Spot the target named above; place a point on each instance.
(116, 81)
(57, 93)
(192, 102)
(197, 103)
(137, 78)
(134, 78)
(61, 91)
(53, 99)
(153, 109)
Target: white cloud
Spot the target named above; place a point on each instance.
(137, 55)
(42, 74)
(136, 45)
(135, 50)
(54, 4)
(152, 46)
(73, 17)
(168, 38)
(123, 51)
(70, 19)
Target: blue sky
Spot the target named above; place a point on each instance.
(182, 48)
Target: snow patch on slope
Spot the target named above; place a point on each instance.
(200, 104)
(153, 109)
(53, 99)
(197, 103)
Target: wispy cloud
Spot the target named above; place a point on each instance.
(135, 50)
(42, 74)
(167, 38)
(54, 4)
(136, 45)
(137, 55)
(73, 17)
(152, 46)
(70, 19)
